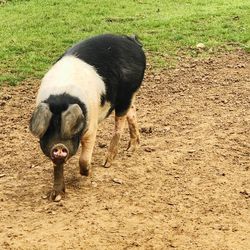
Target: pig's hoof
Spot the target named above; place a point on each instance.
(56, 196)
(110, 157)
(85, 171)
(107, 163)
(133, 144)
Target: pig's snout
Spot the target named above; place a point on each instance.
(59, 154)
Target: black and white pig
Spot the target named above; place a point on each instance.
(93, 78)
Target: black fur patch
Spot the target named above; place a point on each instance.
(103, 100)
(120, 61)
(58, 104)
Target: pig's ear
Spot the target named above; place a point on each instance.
(72, 121)
(40, 120)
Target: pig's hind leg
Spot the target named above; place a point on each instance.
(113, 147)
(130, 116)
(133, 129)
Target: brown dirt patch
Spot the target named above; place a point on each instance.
(187, 187)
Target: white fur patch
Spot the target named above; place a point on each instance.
(73, 76)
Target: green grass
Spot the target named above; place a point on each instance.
(34, 33)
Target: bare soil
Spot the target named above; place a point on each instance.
(187, 186)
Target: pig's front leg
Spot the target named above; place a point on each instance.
(88, 142)
(59, 185)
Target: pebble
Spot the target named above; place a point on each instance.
(146, 130)
(94, 184)
(167, 129)
(157, 77)
(6, 97)
(45, 196)
(2, 103)
(200, 46)
(148, 149)
(191, 150)
(118, 181)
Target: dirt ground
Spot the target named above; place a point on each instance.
(187, 186)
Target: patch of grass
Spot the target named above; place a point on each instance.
(33, 33)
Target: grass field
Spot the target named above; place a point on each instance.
(33, 34)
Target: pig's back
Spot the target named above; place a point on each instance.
(118, 60)
(111, 55)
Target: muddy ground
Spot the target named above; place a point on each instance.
(187, 186)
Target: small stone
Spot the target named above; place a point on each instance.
(118, 181)
(2, 103)
(94, 184)
(2, 175)
(200, 46)
(148, 149)
(7, 97)
(191, 150)
(146, 130)
(45, 196)
(167, 129)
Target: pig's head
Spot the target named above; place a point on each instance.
(59, 130)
